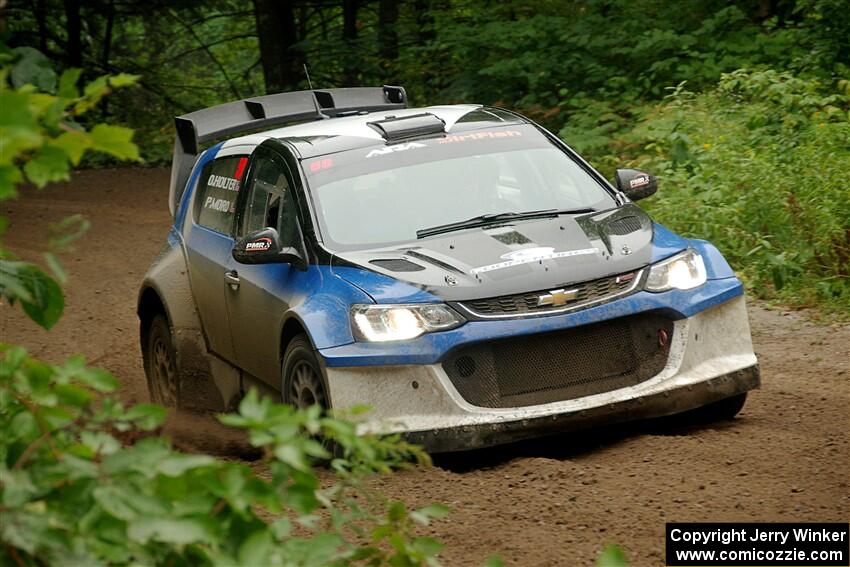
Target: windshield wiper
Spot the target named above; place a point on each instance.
(494, 218)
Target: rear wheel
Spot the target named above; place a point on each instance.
(303, 384)
(161, 363)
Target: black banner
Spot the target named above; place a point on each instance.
(758, 545)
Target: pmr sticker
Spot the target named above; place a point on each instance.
(259, 245)
(638, 182)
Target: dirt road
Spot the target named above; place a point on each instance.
(552, 502)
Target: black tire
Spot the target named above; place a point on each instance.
(722, 410)
(303, 383)
(161, 364)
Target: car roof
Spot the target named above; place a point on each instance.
(332, 135)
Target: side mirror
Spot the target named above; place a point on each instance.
(635, 183)
(263, 247)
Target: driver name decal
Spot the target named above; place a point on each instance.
(220, 205)
(222, 182)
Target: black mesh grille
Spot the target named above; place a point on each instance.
(529, 302)
(398, 265)
(561, 365)
(624, 225)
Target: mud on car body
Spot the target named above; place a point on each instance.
(458, 269)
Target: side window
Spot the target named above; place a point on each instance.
(270, 201)
(215, 205)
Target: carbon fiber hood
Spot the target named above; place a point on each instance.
(508, 258)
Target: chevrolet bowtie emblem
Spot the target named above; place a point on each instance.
(557, 297)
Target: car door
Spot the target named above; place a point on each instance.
(209, 243)
(257, 303)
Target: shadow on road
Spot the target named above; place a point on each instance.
(575, 444)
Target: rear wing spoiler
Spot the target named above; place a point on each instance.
(244, 116)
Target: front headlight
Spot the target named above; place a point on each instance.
(683, 271)
(378, 323)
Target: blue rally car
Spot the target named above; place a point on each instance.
(458, 269)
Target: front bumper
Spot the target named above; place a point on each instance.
(667, 402)
(710, 358)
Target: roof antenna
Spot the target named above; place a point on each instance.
(312, 91)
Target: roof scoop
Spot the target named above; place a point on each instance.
(395, 129)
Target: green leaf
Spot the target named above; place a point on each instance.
(127, 502)
(45, 302)
(146, 416)
(16, 115)
(11, 285)
(142, 458)
(33, 68)
(56, 267)
(115, 141)
(252, 407)
(123, 80)
(72, 395)
(49, 164)
(66, 231)
(427, 546)
(9, 177)
(98, 379)
(180, 531)
(24, 530)
(301, 498)
(494, 561)
(292, 455)
(396, 512)
(68, 83)
(425, 515)
(73, 143)
(177, 464)
(18, 487)
(612, 556)
(100, 442)
(255, 550)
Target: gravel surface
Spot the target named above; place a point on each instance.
(549, 502)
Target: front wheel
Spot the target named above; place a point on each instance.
(160, 360)
(303, 385)
(721, 410)
(727, 408)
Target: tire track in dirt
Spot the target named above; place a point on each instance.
(548, 502)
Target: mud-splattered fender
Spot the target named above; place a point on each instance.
(321, 302)
(205, 383)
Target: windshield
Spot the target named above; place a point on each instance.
(383, 194)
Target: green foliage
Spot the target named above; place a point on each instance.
(612, 556)
(759, 166)
(553, 61)
(76, 489)
(41, 141)
(81, 483)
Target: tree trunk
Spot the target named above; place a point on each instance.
(349, 37)
(387, 32)
(424, 21)
(40, 12)
(73, 27)
(107, 48)
(282, 61)
(107, 34)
